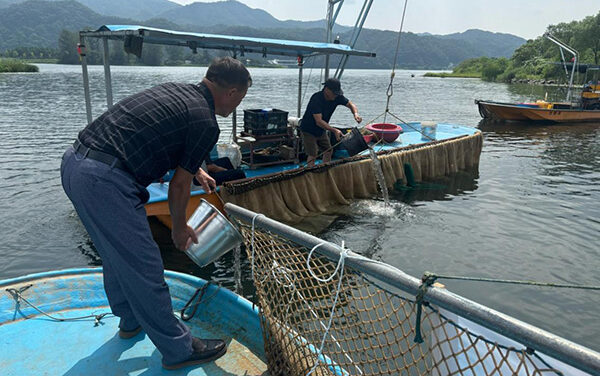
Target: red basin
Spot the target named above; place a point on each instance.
(389, 132)
(368, 137)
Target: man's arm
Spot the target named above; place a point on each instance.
(323, 124)
(179, 195)
(354, 111)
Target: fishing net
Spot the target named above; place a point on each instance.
(373, 326)
(299, 193)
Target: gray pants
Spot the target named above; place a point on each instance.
(110, 204)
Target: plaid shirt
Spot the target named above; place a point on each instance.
(158, 129)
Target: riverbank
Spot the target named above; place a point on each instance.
(452, 75)
(14, 66)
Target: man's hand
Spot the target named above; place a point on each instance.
(357, 117)
(207, 183)
(183, 237)
(338, 133)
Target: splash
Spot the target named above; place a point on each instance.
(237, 270)
(380, 177)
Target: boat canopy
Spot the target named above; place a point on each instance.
(134, 36)
(237, 44)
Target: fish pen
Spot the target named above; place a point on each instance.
(296, 194)
(328, 311)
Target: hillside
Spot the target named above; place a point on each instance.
(491, 44)
(37, 23)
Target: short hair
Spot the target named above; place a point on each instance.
(228, 72)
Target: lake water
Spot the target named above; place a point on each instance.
(531, 211)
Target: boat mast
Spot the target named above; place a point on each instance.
(562, 45)
(329, 29)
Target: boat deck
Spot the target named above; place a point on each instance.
(42, 346)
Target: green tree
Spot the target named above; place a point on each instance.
(67, 47)
(152, 54)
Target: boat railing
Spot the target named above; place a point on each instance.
(325, 306)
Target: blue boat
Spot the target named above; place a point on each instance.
(59, 323)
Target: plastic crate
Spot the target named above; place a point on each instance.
(265, 122)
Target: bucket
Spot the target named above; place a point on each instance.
(354, 142)
(428, 129)
(216, 235)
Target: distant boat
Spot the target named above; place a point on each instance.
(585, 109)
(541, 111)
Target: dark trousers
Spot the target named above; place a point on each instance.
(110, 204)
(223, 176)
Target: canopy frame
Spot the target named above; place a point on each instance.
(134, 36)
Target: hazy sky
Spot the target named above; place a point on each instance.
(525, 18)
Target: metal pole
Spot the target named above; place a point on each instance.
(575, 61)
(86, 82)
(571, 80)
(234, 115)
(528, 335)
(358, 28)
(328, 34)
(107, 78)
(300, 65)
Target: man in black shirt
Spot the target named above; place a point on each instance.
(315, 121)
(105, 174)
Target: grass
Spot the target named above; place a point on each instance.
(11, 66)
(452, 75)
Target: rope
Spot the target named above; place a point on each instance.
(426, 282)
(390, 89)
(411, 127)
(514, 282)
(200, 293)
(17, 295)
(340, 268)
(307, 81)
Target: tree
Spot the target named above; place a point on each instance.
(152, 54)
(67, 47)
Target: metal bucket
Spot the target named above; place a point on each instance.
(216, 235)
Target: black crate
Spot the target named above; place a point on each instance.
(260, 122)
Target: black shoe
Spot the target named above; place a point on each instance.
(126, 334)
(205, 350)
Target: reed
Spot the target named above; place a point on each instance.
(452, 75)
(11, 66)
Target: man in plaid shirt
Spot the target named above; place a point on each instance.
(105, 174)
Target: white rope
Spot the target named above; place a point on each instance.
(340, 268)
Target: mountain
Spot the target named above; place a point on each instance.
(234, 13)
(132, 9)
(491, 44)
(37, 23)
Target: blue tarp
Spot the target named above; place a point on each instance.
(224, 42)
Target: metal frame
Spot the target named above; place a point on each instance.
(234, 44)
(573, 51)
(534, 338)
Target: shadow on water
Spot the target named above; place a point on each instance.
(445, 188)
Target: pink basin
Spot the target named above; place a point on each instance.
(389, 132)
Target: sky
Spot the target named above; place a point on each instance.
(525, 18)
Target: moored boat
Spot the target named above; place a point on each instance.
(545, 112)
(586, 108)
(59, 323)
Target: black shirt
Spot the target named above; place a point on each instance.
(158, 129)
(319, 105)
